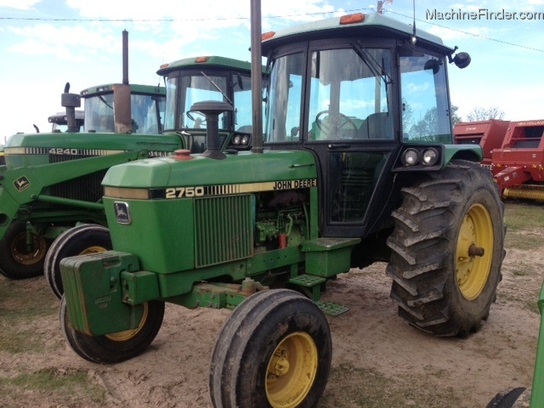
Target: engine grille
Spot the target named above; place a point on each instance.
(223, 229)
(85, 188)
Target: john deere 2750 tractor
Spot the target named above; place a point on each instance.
(51, 181)
(357, 165)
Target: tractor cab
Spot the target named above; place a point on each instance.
(210, 78)
(358, 102)
(59, 121)
(147, 104)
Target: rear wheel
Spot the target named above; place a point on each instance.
(80, 240)
(21, 258)
(115, 347)
(447, 250)
(274, 351)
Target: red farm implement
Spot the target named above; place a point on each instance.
(518, 166)
(487, 133)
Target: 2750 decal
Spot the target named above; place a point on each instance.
(179, 192)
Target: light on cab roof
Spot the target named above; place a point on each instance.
(268, 35)
(352, 18)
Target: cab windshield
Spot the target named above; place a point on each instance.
(185, 89)
(350, 96)
(147, 111)
(349, 100)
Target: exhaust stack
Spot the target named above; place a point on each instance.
(70, 101)
(256, 73)
(212, 110)
(121, 96)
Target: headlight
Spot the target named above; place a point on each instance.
(245, 140)
(410, 157)
(237, 139)
(430, 157)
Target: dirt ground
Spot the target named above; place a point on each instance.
(378, 359)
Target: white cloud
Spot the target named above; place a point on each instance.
(19, 4)
(63, 42)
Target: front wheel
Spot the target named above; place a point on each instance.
(447, 250)
(20, 257)
(80, 240)
(274, 351)
(114, 347)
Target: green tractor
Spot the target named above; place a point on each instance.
(51, 181)
(59, 121)
(357, 165)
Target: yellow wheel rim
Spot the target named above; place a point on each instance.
(291, 371)
(93, 250)
(24, 257)
(474, 252)
(126, 335)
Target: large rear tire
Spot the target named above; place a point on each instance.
(447, 250)
(274, 351)
(115, 347)
(80, 240)
(18, 260)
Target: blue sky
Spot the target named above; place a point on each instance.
(46, 43)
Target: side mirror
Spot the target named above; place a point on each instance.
(462, 60)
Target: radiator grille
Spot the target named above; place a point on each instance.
(223, 229)
(85, 188)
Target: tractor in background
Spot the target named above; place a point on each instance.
(59, 122)
(344, 174)
(52, 181)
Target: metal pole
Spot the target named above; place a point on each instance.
(256, 76)
(125, 57)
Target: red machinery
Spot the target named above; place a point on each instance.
(488, 133)
(518, 166)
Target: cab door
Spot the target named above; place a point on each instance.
(350, 128)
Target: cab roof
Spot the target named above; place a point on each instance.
(134, 89)
(372, 25)
(208, 61)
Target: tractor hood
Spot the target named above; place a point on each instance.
(149, 178)
(34, 149)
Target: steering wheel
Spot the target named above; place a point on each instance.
(344, 120)
(198, 121)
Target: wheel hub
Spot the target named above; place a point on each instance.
(126, 335)
(474, 252)
(27, 254)
(291, 371)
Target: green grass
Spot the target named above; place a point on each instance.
(370, 389)
(66, 384)
(17, 329)
(524, 225)
(524, 215)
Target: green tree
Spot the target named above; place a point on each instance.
(455, 118)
